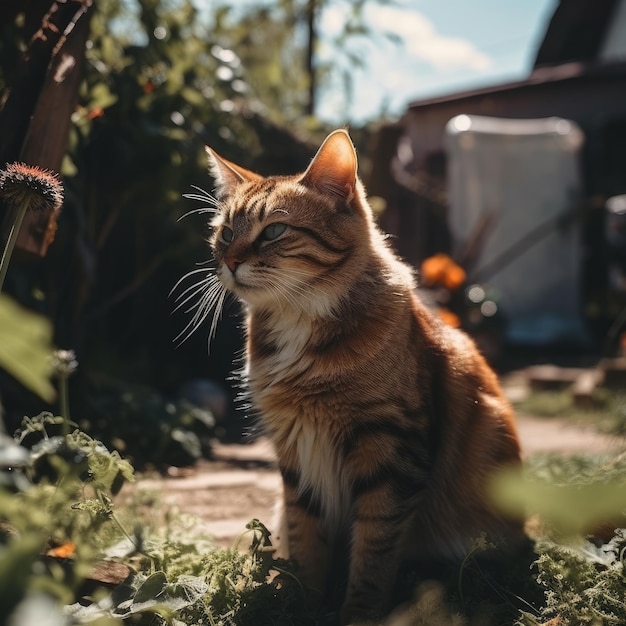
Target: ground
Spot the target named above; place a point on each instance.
(241, 482)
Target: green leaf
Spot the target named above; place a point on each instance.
(26, 347)
(105, 465)
(570, 509)
(156, 595)
(150, 588)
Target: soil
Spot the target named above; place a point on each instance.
(241, 482)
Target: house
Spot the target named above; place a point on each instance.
(579, 75)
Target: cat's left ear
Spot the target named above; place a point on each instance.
(227, 174)
(333, 170)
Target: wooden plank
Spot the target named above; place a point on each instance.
(549, 377)
(584, 387)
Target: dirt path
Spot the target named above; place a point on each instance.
(241, 482)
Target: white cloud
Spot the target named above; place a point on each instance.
(423, 63)
(421, 40)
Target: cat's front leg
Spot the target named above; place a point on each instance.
(307, 544)
(381, 519)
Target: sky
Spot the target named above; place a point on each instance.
(446, 46)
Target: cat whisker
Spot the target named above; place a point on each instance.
(193, 291)
(281, 293)
(203, 196)
(208, 276)
(185, 277)
(204, 310)
(205, 209)
(217, 314)
(207, 301)
(292, 296)
(208, 291)
(210, 295)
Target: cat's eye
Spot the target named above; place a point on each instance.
(273, 231)
(227, 234)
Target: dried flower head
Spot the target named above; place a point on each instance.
(64, 363)
(39, 189)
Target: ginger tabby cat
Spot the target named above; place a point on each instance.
(386, 423)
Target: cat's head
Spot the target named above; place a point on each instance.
(292, 242)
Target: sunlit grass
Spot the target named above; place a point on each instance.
(606, 411)
(571, 568)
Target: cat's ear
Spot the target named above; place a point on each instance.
(227, 174)
(333, 170)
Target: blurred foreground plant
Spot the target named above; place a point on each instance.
(57, 519)
(26, 347)
(573, 496)
(577, 507)
(57, 511)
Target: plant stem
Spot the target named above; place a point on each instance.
(11, 240)
(119, 524)
(64, 403)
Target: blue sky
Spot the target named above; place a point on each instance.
(447, 45)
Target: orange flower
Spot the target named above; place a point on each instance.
(433, 269)
(454, 276)
(95, 113)
(440, 269)
(64, 551)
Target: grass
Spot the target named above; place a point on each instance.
(572, 568)
(606, 413)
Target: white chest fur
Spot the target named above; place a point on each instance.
(290, 337)
(321, 470)
(296, 419)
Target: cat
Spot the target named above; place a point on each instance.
(386, 423)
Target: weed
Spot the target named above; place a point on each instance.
(59, 518)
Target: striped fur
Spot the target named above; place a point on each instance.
(386, 423)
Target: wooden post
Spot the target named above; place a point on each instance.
(36, 116)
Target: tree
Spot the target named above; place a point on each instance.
(278, 45)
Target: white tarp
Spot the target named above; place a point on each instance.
(519, 182)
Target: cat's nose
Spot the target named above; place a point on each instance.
(233, 263)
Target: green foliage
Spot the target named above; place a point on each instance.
(144, 594)
(178, 577)
(72, 508)
(582, 576)
(270, 43)
(26, 347)
(573, 496)
(186, 580)
(584, 583)
(279, 46)
(147, 427)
